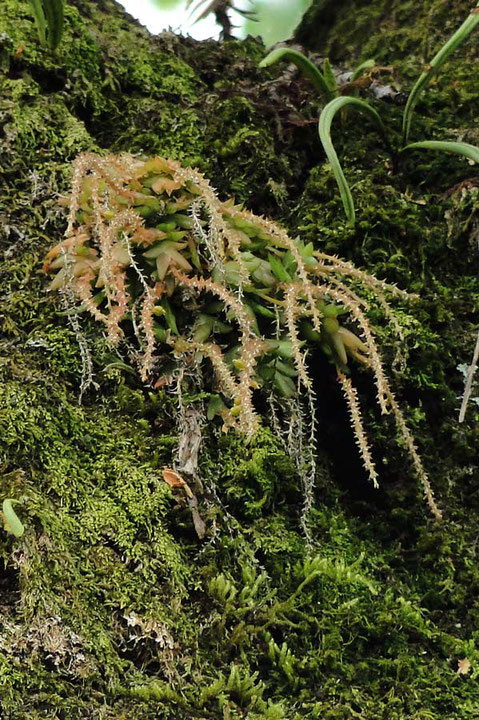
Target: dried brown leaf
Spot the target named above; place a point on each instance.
(173, 479)
(463, 666)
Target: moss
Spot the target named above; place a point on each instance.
(405, 29)
(110, 605)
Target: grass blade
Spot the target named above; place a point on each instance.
(459, 148)
(302, 63)
(325, 121)
(438, 60)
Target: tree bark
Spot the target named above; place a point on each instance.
(110, 606)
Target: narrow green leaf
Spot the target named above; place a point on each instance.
(324, 128)
(329, 77)
(285, 386)
(40, 20)
(308, 331)
(278, 269)
(289, 262)
(203, 327)
(438, 60)
(170, 316)
(262, 310)
(13, 523)
(459, 148)
(286, 369)
(54, 14)
(301, 62)
(215, 406)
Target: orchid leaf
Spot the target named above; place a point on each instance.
(325, 121)
(49, 17)
(54, 14)
(459, 148)
(301, 62)
(431, 69)
(40, 20)
(278, 269)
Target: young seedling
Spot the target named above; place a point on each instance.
(324, 128)
(431, 69)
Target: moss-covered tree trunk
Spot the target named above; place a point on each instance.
(110, 605)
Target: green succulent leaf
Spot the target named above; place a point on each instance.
(12, 522)
(203, 327)
(169, 316)
(308, 331)
(262, 310)
(431, 69)
(330, 311)
(286, 369)
(185, 222)
(285, 385)
(325, 121)
(458, 148)
(338, 346)
(302, 63)
(215, 406)
(278, 269)
(289, 262)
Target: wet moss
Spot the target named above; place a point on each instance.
(110, 605)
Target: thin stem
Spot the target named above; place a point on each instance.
(469, 379)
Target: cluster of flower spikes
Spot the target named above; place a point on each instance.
(222, 296)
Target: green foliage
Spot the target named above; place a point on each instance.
(458, 148)
(324, 130)
(435, 64)
(107, 548)
(359, 69)
(326, 84)
(49, 17)
(322, 85)
(223, 285)
(12, 522)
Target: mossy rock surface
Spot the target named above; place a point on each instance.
(110, 606)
